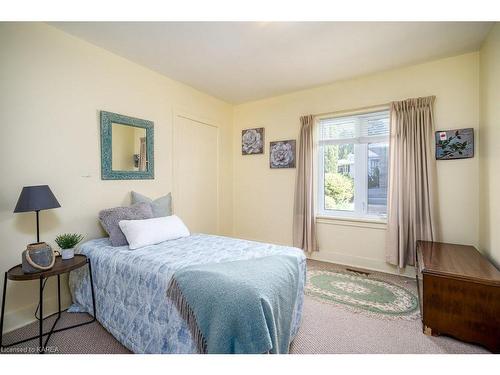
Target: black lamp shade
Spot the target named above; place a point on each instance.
(36, 198)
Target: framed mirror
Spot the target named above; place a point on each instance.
(127, 147)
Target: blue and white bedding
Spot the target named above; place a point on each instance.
(130, 286)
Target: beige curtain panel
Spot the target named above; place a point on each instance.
(412, 179)
(304, 225)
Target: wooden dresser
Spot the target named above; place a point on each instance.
(459, 292)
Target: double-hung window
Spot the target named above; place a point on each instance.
(353, 157)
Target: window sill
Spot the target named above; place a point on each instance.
(375, 223)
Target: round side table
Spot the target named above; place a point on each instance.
(61, 266)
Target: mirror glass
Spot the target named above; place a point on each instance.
(128, 148)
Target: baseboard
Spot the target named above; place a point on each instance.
(26, 315)
(362, 262)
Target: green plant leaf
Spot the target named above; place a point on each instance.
(68, 240)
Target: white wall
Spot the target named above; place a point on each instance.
(52, 86)
(489, 150)
(263, 201)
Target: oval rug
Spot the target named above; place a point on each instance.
(362, 294)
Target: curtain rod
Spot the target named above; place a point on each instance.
(359, 109)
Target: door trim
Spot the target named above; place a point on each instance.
(176, 114)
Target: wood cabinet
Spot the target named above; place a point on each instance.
(459, 293)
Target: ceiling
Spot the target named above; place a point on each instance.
(244, 61)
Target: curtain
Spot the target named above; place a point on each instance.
(412, 179)
(304, 225)
(142, 155)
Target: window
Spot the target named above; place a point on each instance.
(353, 161)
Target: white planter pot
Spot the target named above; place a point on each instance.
(67, 253)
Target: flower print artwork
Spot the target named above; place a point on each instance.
(282, 154)
(252, 141)
(455, 144)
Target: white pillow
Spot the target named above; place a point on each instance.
(140, 233)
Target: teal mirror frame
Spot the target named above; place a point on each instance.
(107, 172)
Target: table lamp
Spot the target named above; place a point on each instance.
(36, 198)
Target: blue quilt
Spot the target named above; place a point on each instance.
(131, 287)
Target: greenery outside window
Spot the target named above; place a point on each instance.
(353, 160)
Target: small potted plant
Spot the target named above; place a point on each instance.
(67, 243)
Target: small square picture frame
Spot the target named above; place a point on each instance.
(252, 141)
(282, 154)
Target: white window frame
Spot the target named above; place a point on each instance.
(360, 211)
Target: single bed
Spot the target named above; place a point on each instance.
(131, 286)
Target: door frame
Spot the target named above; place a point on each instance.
(181, 114)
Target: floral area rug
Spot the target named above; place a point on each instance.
(362, 293)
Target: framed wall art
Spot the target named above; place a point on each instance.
(455, 144)
(252, 141)
(282, 154)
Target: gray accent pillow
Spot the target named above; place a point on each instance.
(110, 218)
(161, 206)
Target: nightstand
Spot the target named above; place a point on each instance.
(60, 267)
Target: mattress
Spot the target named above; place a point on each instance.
(130, 286)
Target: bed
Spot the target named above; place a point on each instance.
(131, 286)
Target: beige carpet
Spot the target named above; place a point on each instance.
(325, 328)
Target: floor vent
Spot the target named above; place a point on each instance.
(357, 271)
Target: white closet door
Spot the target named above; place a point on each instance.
(195, 158)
